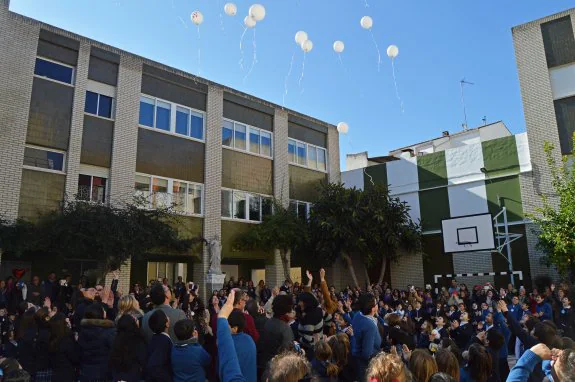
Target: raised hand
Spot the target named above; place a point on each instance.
(227, 308)
(322, 274)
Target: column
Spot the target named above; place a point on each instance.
(212, 182)
(77, 125)
(333, 154)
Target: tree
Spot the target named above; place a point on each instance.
(17, 237)
(282, 231)
(108, 234)
(557, 222)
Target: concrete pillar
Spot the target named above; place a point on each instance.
(18, 44)
(77, 125)
(213, 181)
(333, 155)
(125, 142)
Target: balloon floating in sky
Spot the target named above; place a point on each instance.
(249, 22)
(197, 18)
(392, 51)
(366, 22)
(342, 128)
(257, 12)
(300, 37)
(338, 46)
(231, 9)
(307, 46)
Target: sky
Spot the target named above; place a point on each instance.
(440, 43)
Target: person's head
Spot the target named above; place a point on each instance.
(454, 283)
(422, 365)
(367, 304)
(158, 295)
(484, 306)
(386, 367)
(282, 305)
(240, 300)
(306, 301)
(35, 280)
(52, 276)
(417, 304)
(159, 322)
(252, 308)
(464, 317)
(95, 312)
(566, 301)
(568, 343)
(215, 300)
(447, 363)
(515, 300)
(237, 321)
(393, 319)
(539, 299)
(495, 339)
(128, 303)
(185, 330)
(479, 363)
(340, 347)
(564, 366)
(323, 353)
(339, 320)
(439, 321)
(443, 377)
(399, 307)
(287, 367)
(545, 332)
(489, 318)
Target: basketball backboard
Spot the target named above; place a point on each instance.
(468, 233)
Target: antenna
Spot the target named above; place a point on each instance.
(463, 82)
(484, 119)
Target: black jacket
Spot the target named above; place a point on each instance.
(64, 360)
(462, 336)
(27, 350)
(159, 364)
(42, 360)
(399, 336)
(95, 341)
(277, 336)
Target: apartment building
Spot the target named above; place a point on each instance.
(83, 119)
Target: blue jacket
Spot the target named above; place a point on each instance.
(246, 351)
(516, 311)
(229, 368)
(367, 339)
(502, 328)
(524, 367)
(545, 308)
(189, 362)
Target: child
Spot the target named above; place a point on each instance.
(158, 368)
(189, 359)
(244, 345)
(399, 311)
(10, 346)
(321, 364)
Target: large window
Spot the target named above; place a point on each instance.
(241, 205)
(157, 271)
(156, 192)
(92, 188)
(171, 117)
(53, 70)
(565, 114)
(247, 138)
(307, 155)
(559, 41)
(98, 104)
(45, 159)
(302, 209)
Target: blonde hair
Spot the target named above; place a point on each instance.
(129, 305)
(422, 365)
(386, 368)
(287, 367)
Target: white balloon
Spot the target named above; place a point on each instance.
(307, 46)
(231, 9)
(392, 51)
(300, 37)
(366, 22)
(197, 17)
(249, 22)
(257, 12)
(338, 46)
(342, 128)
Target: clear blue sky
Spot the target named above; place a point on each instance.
(440, 42)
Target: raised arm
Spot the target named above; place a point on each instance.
(330, 305)
(229, 368)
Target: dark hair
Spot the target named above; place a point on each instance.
(496, 339)
(237, 319)
(340, 347)
(531, 322)
(545, 333)
(58, 331)
(322, 352)
(158, 321)
(568, 343)
(240, 294)
(422, 365)
(184, 329)
(366, 303)
(479, 364)
(447, 363)
(126, 347)
(42, 317)
(443, 377)
(157, 294)
(22, 308)
(94, 311)
(282, 304)
(252, 308)
(28, 322)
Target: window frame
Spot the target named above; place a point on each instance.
(249, 196)
(170, 188)
(308, 147)
(29, 167)
(113, 106)
(173, 120)
(72, 84)
(92, 188)
(308, 206)
(249, 129)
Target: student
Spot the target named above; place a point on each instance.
(322, 365)
(189, 360)
(244, 345)
(128, 355)
(544, 310)
(158, 368)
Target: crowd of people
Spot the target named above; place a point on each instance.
(53, 331)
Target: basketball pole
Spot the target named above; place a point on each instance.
(508, 245)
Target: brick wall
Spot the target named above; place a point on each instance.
(18, 43)
(408, 271)
(473, 262)
(77, 125)
(213, 180)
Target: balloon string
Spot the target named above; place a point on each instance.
(395, 83)
(376, 48)
(242, 49)
(341, 62)
(255, 57)
(199, 54)
(287, 78)
(366, 4)
(302, 70)
(183, 22)
(221, 16)
(199, 36)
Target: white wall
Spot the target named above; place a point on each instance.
(563, 81)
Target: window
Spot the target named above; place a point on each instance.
(241, 205)
(170, 117)
(98, 104)
(185, 197)
(565, 114)
(171, 271)
(247, 138)
(302, 209)
(307, 155)
(54, 71)
(558, 41)
(44, 159)
(92, 188)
